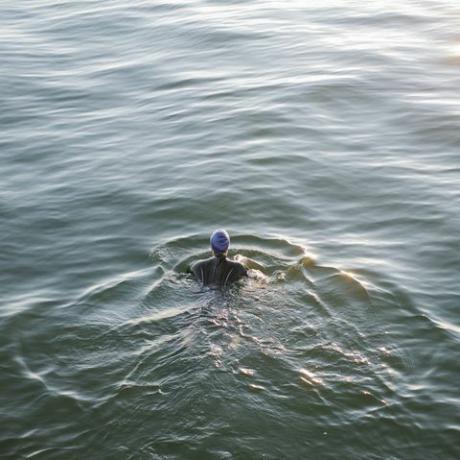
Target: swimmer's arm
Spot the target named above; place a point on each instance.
(244, 271)
(250, 268)
(249, 263)
(195, 269)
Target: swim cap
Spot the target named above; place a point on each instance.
(220, 241)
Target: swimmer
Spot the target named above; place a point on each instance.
(219, 270)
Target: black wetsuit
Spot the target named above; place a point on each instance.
(218, 271)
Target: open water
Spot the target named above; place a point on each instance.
(324, 136)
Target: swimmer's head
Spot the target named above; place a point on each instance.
(220, 241)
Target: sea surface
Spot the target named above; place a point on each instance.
(324, 136)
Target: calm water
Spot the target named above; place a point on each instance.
(324, 136)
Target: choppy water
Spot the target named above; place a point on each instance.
(323, 135)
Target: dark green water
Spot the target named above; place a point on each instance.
(324, 136)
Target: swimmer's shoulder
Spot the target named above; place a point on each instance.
(238, 268)
(197, 267)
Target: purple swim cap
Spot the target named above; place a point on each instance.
(220, 241)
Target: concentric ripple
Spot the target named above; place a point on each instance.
(302, 338)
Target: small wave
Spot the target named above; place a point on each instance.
(301, 330)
